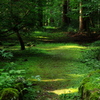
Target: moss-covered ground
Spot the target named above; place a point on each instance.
(59, 66)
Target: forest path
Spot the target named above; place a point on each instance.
(60, 69)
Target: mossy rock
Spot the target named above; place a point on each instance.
(9, 94)
(90, 86)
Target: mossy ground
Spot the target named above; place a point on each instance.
(58, 65)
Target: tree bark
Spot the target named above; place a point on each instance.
(81, 18)
(40, 13)
(66, 19)
(20, 39)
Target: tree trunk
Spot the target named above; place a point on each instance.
(20, 39)
(81, 18)
(40, 13)
(66, 19)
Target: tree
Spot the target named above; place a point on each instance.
(13, 17)
(66, 19)
(40, 13)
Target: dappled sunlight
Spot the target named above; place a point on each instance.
(38, 32)
(48, 80)
(13, 48)
(41, 37)
(76, 75)
(53, 80)
(50, 27)
(64, 91)
(66, 47)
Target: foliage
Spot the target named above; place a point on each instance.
(91, 57)
(9, 66)
(12, 79)
(8, 79)
(31, 93)
(96, 43)
(6, 54)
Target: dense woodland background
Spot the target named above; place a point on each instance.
(75, 17)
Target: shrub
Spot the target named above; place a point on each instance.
(6, 54)
(13, 80)
(31, 94)
(91, 58)
(8, 79)
(96, 43)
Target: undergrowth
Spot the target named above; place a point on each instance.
(91, 57)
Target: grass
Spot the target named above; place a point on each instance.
(58, 64)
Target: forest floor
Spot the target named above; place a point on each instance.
(59, 66)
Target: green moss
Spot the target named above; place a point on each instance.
(9, 94)
(90, 86)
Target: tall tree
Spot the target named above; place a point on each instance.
(87, 13)
(40, 13)
(66, 19)
(80, 17)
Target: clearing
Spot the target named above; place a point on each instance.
(59, 66)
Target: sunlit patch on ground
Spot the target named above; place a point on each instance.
(76, 75)
(66, 47)
(53, 80)
(11, 48)
(64, 91)
(41, 37)
(50, 27)
(37, 32)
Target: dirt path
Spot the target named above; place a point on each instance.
(61, 71)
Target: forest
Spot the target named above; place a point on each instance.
(49, 49)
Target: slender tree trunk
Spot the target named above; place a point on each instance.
(66, 19)
(83, 21)
(20, 39)
(81, 18)
(16, 30)
(40, 13)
